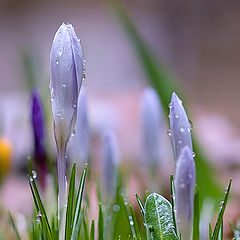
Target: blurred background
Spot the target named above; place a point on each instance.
(198, 42)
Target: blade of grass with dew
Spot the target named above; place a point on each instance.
(92, 234)
(159, 78)
(173, 203)
(135, 224)
(129, 217)
(143, 213)
(100, 223)
(220, 236)
(220, 216)
(158, 217)
(196, 215)
(210, 231)
(38, 202)
(69, 214)
(77, 209)
(14, 227)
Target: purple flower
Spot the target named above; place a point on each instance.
(180, 127)
(185, 186)
(66, 60)
(151, 121)
(110, 162)
(37, 117)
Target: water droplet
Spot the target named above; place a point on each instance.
(60, 53)
(131, 223)
(177, 116)
(57, 62)
(169, 115)
(170, 105)
(38, 219)
(193, 154)
(190, 124)
(169, 132)
(84, 60)
(30, 179)
(52, 99)
(182, 185)
(73, 133)
(74, 105)
(116, 208)
(64, 85)
(84, 76)
(34, 174)
(39, 214)
(180, 141)
(181, 129)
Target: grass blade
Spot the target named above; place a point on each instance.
(12, 223)
(220, 216)
(173, 202)
(135, 224)
(196, 215)
(69, 214)
(92, 234)
(77, 210)
(100, 223)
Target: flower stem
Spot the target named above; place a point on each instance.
(62, 196)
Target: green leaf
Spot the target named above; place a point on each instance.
(100, 223)
(77, 210)
(69, 214)
(159, 218)
(220, 215)
(12, 223)
(158, 76)
(173, 202)
(196, 216)
(92, 234)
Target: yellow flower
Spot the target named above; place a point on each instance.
(5, 156)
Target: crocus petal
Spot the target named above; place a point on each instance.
(151, 120)
(78, 146)
(39, 136)
(180, 128)
(110, 162)
(185, 187)
(66, 61)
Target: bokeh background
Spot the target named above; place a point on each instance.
(198, 42)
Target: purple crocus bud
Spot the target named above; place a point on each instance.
(78, 147)
(66, 60)
(180, 127)
(151, 121)
(37, 117)
(185, 186)
(110, 162)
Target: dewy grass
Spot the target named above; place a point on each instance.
(160, 219)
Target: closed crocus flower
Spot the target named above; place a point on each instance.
(180, 127)
(151, 124)
(39, 136)
(67, 68)
(78, 147)
(110, 162)
(185, 187)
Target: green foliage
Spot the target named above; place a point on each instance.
(159, 218)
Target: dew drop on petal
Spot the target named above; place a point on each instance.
(169, 132)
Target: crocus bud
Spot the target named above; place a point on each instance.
(39, 136)
(185, 187)
(151, 121)
(110, 162)
(180, 127)
(67, 68)
(78, 147)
